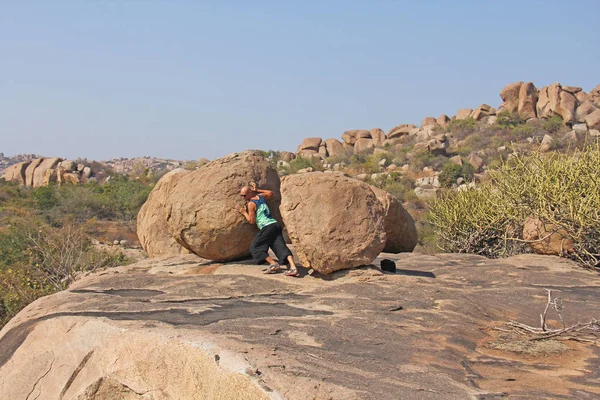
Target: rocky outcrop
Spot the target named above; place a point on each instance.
(483, 111)
(16, 172)
(464, 113)
(378, 137)
(363, 144)
(350, 137)
(185, 328)
(400, 130)
(334, 148)
(555, 101)
(201, 206)
(528, 97)
(400, 229)
(152, 229)
(593, 120)
(43, 171)
(29, 172)
(510, 97)
(584, 110)
(310, 144)
(428, 121)
(443, 120)
(334, 222)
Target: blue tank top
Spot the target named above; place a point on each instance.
(263, 213)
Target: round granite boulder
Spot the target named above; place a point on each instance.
(152, 229)
(400, 228)
(334, 222)
(201, 207)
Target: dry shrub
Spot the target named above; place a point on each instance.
(37, 259)
(562, 190)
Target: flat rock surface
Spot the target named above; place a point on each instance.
(426, 332)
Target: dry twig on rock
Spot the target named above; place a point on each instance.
(587, 332)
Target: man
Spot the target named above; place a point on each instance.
(257, 211)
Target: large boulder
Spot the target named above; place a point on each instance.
(555, 101)
(323, 150)
(29, 172)
(16, 172)
(362, 145)
(428, 121)
(464, 113)
(528, 97)
(584, 109)
(475, 161)
(152, 229)
(334, 222)
(443, 120)
(40, 176)
(201, 207)
(378, 136)
(593, 120)
(285, 156)
(310, 144)
(334, 148)
(69, 165)
(482, 111)
(400, 130)
(350, 137)
(510, 97)
(400, 229)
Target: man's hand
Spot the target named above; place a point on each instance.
(241, 210)
(252, 185)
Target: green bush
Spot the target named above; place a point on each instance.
(457, 126)
(395, 184)
(452, 171)
(509, 120)
(300, 163)
(559, 189)
(552, 124)
(523, 131)
(45, 197)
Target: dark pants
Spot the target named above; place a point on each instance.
(269, 236)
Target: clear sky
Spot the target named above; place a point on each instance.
(186, 79)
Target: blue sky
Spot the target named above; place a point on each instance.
(188, 79)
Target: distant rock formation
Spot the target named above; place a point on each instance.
(43, 171)
(571, 103)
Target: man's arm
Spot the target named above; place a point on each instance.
(250, 214)
(266, 194)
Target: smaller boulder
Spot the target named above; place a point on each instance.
(546, 238)
(378, 137)
(593, 120)
(310, 144)
(547, 144)
(464, 113)
(400, 130)
(350, 137)
(428, 121)
(443, 120)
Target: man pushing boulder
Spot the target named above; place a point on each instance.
(270, 235)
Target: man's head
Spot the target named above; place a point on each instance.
(247, 193)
